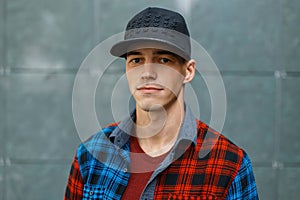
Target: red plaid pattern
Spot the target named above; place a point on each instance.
(75, 185)
(194, 177)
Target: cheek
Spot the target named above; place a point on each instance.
(172, 79)
(131, 84)
(132, 79)
(133, 74)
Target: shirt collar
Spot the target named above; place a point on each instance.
(188, 129)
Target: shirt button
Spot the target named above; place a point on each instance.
(125, 170)
(91, 193)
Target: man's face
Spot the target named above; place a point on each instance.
(155, 77)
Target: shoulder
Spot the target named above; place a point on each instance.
(98, 137)
(214, 145)
(99, 140)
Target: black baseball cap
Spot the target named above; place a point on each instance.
(155, 27)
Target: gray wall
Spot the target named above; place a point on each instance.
(255, 44)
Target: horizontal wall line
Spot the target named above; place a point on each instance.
(37, 161)
(276, 73)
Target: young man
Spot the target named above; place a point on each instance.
(157, 152)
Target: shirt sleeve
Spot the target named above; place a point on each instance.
(74, 189)
(243, 185)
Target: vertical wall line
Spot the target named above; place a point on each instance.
(279, 75)
(4, 42)
(3, 143)
(277, 164)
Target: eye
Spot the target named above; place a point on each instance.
(164, 60)
(135, 60)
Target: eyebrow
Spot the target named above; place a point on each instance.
(162, 52)
(158, 52)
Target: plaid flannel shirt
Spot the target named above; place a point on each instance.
(202, 165)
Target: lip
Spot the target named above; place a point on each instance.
(151, 88)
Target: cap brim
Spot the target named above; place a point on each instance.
(121, 48)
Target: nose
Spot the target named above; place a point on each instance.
(149, 72)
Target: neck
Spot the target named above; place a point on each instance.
(158, 129)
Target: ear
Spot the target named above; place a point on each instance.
(190, 71)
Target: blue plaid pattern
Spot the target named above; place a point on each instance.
(243, 185)
(103, 167)
(93, 193)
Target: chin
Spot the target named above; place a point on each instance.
(151, 106)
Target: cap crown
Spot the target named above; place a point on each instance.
(155, 28)
(158, 17)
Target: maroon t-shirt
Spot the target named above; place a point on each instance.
(141, 168)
